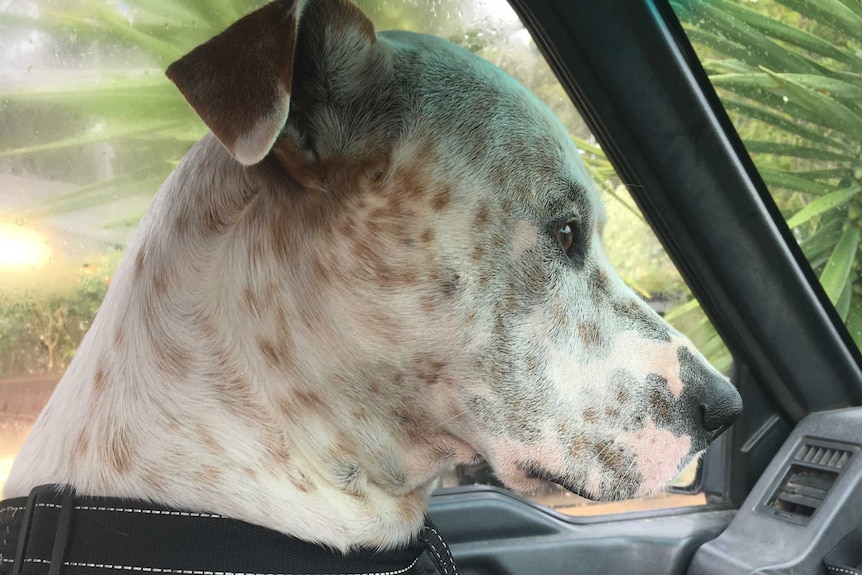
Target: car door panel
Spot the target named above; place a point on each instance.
(492, 531)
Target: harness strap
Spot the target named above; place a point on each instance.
(55, 532)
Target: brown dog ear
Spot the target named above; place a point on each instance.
(239, 82)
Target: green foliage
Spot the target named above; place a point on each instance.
(40, 332)
(789, 72)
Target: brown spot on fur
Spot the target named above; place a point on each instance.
(384, 276)
(287, 407)
(536, 278)
(376, 177)
(182, 224)
(428, 304)
(278, 452)
(612, 412)
(154, 479)
(368, 256)
(441, 198)
(590, 415)
(120, 451)
(578, 446)
(160, 280)
(100, 379)
(497, 241)
(622, 395)
(208, 440)
(81, 444)
(344, 446)
(139, 263)
(435, 273)
(611, 457)
(483, 215)
(321, 270)
(599, 285)
(267, 348)
(561, 318)
(373, 227)
(212, 222)
(658, 404)
(301, 481)
(346, 227)
(360, 414)
(426, 237)
(249, 298)
(309, 400)
(257, 251)
(242, 400)
(208, 475)
(208, 326)
(590, 333)
(478, 254)
(119, 337)
(408, 277)
(171, 356)
(429, 369)
(449, 284)
(250, 473)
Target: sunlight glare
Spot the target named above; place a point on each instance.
(22, 247)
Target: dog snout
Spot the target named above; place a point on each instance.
(716, 401)
(719, 405)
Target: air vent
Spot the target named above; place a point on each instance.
(812, 473)
(802, 491)
(827, 457)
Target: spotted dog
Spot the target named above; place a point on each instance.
(385, 260)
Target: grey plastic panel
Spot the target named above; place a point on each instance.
(494, 531)
(760, 542)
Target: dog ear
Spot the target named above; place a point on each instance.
(239, 82)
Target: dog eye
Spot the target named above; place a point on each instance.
(566, 236)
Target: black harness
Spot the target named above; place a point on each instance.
(55, 532)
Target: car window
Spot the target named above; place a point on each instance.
(90, 127)
(789, 73)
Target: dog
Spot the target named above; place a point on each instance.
(385, 260)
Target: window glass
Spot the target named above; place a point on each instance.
(789, 73)
(90, 127)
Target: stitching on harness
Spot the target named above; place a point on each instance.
(129, 510)
(446, 548)
(12, 509)
(193, 571)
(842, 570)
(440, 559)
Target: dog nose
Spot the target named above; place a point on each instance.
(717, 401)
(720, 405)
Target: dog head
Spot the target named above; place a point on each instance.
(421, 272)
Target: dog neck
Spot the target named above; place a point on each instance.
(204, 384)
